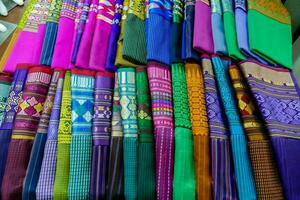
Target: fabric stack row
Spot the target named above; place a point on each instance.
(150, 100)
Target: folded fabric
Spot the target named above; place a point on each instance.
(275, 47)
(203, 39)
(11, 27)
(83, 55)
(101, 36)
(134, 44)
(223, 178)
(184, 185)
(159, 31)
(37, 152)
(241, 24)
(177, 31)
(146, 155)
(65, 32)
(50, 32)
(80, 26)
(242, 166)
(113, 39)
(5, 82)
(230, 30)
(277, 97)
(159, 77)
(82, 88)
(115, 183)
(220, 45)
(103, 95)
(261, 153)
(60, 188)
(120, 61)
(195, 87)
(127, 89)
(25, 39)
(9, 114)
(44, 188)
(25, 127)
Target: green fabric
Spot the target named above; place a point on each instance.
(230, 31)
(4, 92)
(146, 149)
(184, 185)
(63, 147)
(10, 29)
(270, 39)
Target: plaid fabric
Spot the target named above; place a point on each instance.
(115, 185)
(82, 87)
(25, 127)
(101, 132)
(9, 115)
(127, 83)
(60, 190)
(44, 188)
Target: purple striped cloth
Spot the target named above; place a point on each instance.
(101, 133)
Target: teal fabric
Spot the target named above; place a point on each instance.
(10, 29)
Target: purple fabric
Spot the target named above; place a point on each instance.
(83, 55)
(203, 40)
(114, 36)
(64, 40)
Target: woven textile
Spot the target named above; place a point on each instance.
(277, 97)
(103, 96)
(5, 82)
(223, 179)
(162, 110)
(127, 89)
(195, 86)
(115, 185)
(25, 127)
(50, 32)
(82, 87)
(243, 171)
(60, 190)
(177, 30)
(261, 154)
(100, 43)
(37, 152)
(184, 185)
(9, 114)
(146, 155)
(44, 188)
(114, 35)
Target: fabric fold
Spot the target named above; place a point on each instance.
(5, 84)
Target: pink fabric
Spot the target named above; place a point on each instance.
(102, 33)
(203, 40)
(83, 55)
(64, 40)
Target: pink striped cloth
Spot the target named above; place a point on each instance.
(103, 28)
(64, 40)
(83, 55)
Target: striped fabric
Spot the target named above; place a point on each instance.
(146, 155)
(195, 87)
(162, 109)
(60, 190)
(261, 154)
(223, 179)
(37, 152)
(103, 96)
(5, 82)
(82, 87)
(25, 127)
(127, 89)
(184, 185)
(9, 114)
(44, 188)
(243, 171)
(115, 185)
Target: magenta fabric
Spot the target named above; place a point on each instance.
(83, 55)
(101, 36)
(64, 40)
(203, 40)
